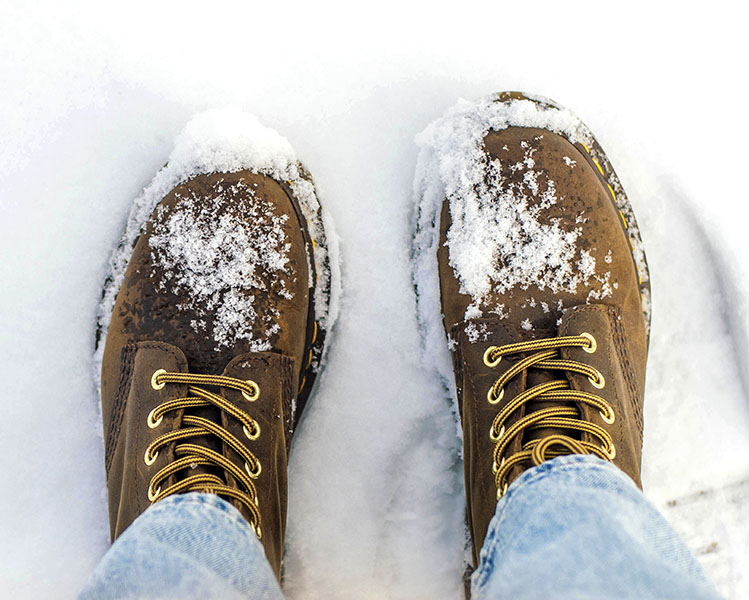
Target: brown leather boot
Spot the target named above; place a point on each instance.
(544, 292)
(214, 342)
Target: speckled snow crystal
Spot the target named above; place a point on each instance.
(220, 260)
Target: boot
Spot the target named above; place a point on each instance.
(544, 292)
(213, 345)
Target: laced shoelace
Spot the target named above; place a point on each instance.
(545, 355)
(189, 455)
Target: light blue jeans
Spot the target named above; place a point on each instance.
(574, 527)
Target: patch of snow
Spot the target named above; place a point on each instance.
(219, 250)
(476, 332)
(490, 219)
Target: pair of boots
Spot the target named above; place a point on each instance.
(214, 319)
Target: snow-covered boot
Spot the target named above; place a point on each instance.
(214, 339)
(544, 292)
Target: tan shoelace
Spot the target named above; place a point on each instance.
(546, 356)
(190, 455)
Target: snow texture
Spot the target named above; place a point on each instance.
(219, 261)
(93, 98)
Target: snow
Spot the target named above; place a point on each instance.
(93, 98)
(211, 257)
(492, 219)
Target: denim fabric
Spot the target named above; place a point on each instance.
(186, 546)
(578, 527)
(574, 527)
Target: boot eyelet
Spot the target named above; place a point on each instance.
(606, 418)
(600, 383)
(154, 379)
(258, 531)
(150, 421)
(152, 497)
(254, 474)
(492, 398)
(503, 491)
(252, 436)
(593, 344)
(487, 358)
(255, 391)
(152, 459)
(499, 435)
(612, 454)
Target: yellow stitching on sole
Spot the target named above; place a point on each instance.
(613, 195)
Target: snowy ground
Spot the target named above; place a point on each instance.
(91, 99)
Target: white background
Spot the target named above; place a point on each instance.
(91, 96)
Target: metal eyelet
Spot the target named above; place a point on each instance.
(151, 423)
(249, 435)
(611, 455)
(503, 491)
(258, 532)
(155, 384)
(501, 433)
(606, 418)
(152, 497)
(492, 398)
(593, 344)
(152, 460)
(487, 361)
(254, 474)
(600, 384)
(256, 391)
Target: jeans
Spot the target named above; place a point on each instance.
(573, 527)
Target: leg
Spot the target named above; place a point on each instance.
(187, 546)
(583, 527)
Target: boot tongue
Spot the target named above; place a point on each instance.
(536, 377)
(213, 414)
